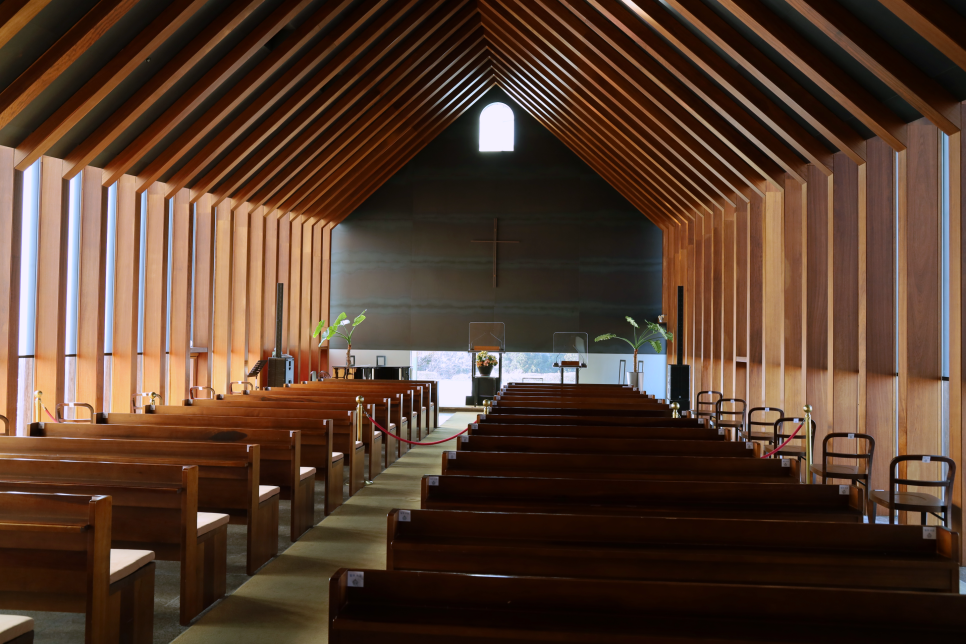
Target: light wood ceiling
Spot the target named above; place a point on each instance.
(308, 106)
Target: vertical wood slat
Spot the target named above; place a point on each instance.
(282, 276)
(957, 212)
(256, 284)
(156, 291)
(693, 311)
(756, 385)
(717, 303)
(221, 329)
(773, 297)
(325, 301)
(794, 248)
(91, 290)
(204, 231)
(11, 205)
(239, 294)
(707, 299)
(305, 307)
(295, 288)
(179, 376)
(127, 258)
(729, 273)
(316, 312)
(270, 278)
(817, 224)
(845, 296)
(51, 319)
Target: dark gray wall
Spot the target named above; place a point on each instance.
(586, 256)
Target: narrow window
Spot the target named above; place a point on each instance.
(496, 128)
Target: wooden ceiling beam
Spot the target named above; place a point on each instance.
(220, 73)
(250, 88)
(928, 97)
(634, 91)
(633, 131)
(104, 81)
(694, 93)
(158, 85)
(15, 14)
(18, 95)
(749, 58)
(454, 55)
(306, 103)
(829, 77)
(294, 140)
(937, 22)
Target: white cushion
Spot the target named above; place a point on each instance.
(359, 444)
(376, 434)
(13, 626)
(337, 456)
(265, 492)
(125, 562)
(306, 472)
(208, 521)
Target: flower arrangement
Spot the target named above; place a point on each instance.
(484, 359)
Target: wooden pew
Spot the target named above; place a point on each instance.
(414, 396)
(55, 555)
(581, 410)
(16, 629)
(707, 499)
(643, 419)
(621, 467)
(280, 455)
(431, 607)
(604, 446)
(430, 397)
(155, 507)
(228, 477)
(696, 433)
(841, 555)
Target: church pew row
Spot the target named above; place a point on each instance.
(55, 555)
(621, 467)
(642, 419)
(429, 607)
(605, 446)
(424, 404)
(228, 477)
(662, 431)
(582, 407)
(280, 457)
(154, 507)
(841, 555)
(707, 499)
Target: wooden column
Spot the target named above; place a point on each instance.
(742, 267)
(794, 265)
(305, 307)
(957, 316)
(695, 274)
(221, 315)
(282, 276)
(239, 294)
(717, 302)
(51, 283)
(756, 293)
(91, 290)
(773, 296)
(316, 311)
(817, 224)
(156, 292)
(11, 205)
(127, 259)
(182, 234)
(707, 301)
(258, 296)
(204, 231)
(270, 277)
(844, 310)
(326, 288)
(729, 284)
(295, 289)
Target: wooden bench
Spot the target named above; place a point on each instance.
(228, 477)
(155, 507)
(431, 607)
(604, 446)
(644, 419)
(413, 401)
(55, 555)
(621, 467)
(16, 629)
(842, 555)
(280, 455)
(430, 397)
(707, 499)
(582, 407)
(696, 433)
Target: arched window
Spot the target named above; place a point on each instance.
(496, 128)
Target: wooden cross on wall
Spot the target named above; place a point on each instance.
(493, 241)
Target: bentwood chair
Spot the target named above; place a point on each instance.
(921, 502)
(783, 429)
(733, 419)
(705, 408)
(860, 473)
(759, 417)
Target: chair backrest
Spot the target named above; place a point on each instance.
(946, 484)
(863, 457)
(738, 405)
(756, 416)
(784, 428)
(706, 407)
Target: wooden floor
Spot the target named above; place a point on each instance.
(287, 601)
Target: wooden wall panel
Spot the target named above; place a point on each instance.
(127, 259)
(756, 375)
(693, 346)
(845, 295)
(326, 287)
(305, 307)
(707, 300)
(182, 234)
(156, 291)
(256, 284)
(773, 296)
(221, 316)
(729, 275)
(50, 327)
(717, 296)
(880, 332)
(239, 293)
(794, 267)
(315, 313)
(957, 303)
(270, 274)
(817, 259)
(90, 286)
(282, 276)
(11, 204)
(204, 231)
(295, 288)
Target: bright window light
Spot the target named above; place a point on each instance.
(496, 128)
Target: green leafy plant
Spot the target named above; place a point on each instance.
(340, 327)
(653, 333)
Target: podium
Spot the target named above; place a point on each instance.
(489, 337)
(570, 352)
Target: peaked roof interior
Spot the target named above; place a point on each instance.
(307, 106)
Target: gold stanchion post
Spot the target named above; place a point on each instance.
(38, 406)
(360, 414)
(808, 443)
(675, 410)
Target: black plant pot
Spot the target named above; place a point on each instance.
(485, 371)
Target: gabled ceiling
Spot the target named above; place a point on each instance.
(307, 106)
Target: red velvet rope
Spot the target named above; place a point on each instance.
(48, 413)
(383, 429)
(785, 443)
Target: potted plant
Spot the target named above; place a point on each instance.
(342, 329)
(485, 363)
(653, 334)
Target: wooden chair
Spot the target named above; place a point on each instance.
(706, 408)
(15, 629)
(734, 419)
(860, 473)
(755, 419)
(916, 501)
(779, 436)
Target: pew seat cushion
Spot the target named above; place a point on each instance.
(208, 521)
(124, 562)
(306, 472)
(359, 444)
(376, 434)
(265, 492)
(337, 456)
(13, 626)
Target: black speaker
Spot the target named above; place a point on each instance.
(678, 385)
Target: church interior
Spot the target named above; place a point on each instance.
(482, 321)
